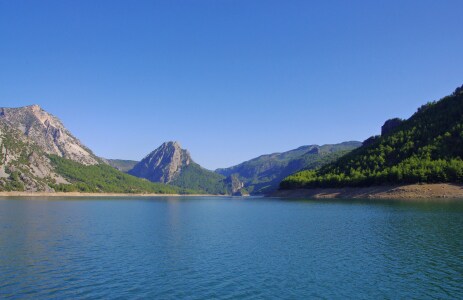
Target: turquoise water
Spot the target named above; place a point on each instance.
(229, 248)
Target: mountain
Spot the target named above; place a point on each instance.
(123, 165)
(173, 165)
(37, 153)
(426, 148)
(47, 132)
(264, 173)
(163, 164)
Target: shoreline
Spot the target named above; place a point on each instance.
(400, 192)
(79, 194)
(436, 191)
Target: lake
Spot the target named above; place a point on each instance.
(229, 248)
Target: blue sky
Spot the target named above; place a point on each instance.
(230, 80)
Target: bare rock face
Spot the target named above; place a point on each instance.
(23, 166)
(47, 132)
(163, 164)
(236, 185)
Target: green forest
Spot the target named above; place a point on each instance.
(196, 178)
(426, 148)
(104, 178)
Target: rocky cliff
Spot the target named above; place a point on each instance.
(47, 132)
(163, 164)
(236, 186)
(24, 165)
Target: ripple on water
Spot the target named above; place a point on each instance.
(206, 248)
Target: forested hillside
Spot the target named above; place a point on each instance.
(428, 147)
(197, 178)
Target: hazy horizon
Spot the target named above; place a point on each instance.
(229, 80)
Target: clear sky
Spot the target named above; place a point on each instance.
(228, 79)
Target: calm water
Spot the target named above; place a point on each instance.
(229, 248)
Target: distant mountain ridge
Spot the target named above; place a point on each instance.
(123, 165)
(38, 153)
(171, 164)
(264, 173)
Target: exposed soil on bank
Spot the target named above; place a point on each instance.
(411, 192)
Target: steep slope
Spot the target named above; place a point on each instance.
(171, 164)
(264, 173)
(23, 165)
(163, 164)
(123, 165)
(47, 132)
(428, 147)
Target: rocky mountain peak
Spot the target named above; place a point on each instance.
(34, 107)
(171, 144)
(48, 132)
(163, 164)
